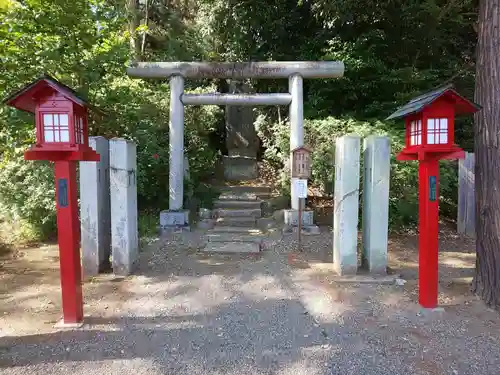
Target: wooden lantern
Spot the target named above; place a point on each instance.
(430, 123)
(61, 119)
(430, 126)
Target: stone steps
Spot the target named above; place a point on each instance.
(239, 212)
(241, 221)
(239, 230)
(237, 204)
(242, 188)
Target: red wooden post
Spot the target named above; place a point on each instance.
(62, 137)
(430, 120)
(428, 171)
(68, 233)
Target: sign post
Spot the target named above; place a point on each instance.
(301, 171)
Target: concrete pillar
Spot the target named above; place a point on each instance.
(95, 214)
(176, 140)
(377, 166)
(296, 124)
(123, 191)
(345, 207)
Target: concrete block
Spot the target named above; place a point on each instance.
(177, 218)
(123, 192)
(95, 210)
(376, 181)
(291, 217)
(346, 195)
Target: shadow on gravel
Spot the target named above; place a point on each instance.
(260, 336)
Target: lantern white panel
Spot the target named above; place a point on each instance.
(443, 138)
(56, 120)
(64, 136)
(443, 124)
(63, 120)
(49, 136)
(47, 120)
(430, 139)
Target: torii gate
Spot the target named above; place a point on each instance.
(295, 71)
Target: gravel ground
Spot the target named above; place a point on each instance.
(186, 312)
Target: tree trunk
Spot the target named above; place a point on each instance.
(486, 281)
(133, 24)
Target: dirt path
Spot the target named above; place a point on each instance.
(184, 312)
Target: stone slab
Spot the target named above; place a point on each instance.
(291, 217)
(174, 218)
(240, 168)
(123, 193)
(236, 221)
(234, 237)
(230, 229)
(376, 181)
(346, 205)
(236, 196)
(232, 247)
(233, 212)
(95, 210)
(238, 204)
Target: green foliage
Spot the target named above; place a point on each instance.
(391, 50)
(27, 196)
(320, 136)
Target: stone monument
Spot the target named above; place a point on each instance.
(241, 138)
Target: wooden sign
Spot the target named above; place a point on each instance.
(301, 163)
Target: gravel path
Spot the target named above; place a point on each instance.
(191, 313)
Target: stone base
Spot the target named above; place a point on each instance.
(291, 218)
(62, 324)
(366, 279)
(240, 168)
(309, 230)
(174, 218)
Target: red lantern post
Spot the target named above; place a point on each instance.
(430, 125)
(61, 137)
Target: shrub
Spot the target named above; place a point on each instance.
(320, 136)
(27, 197)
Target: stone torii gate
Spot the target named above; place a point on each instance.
(295, 71)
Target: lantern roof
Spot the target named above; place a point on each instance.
(300, 148)
(462, 105)
(25, 98)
